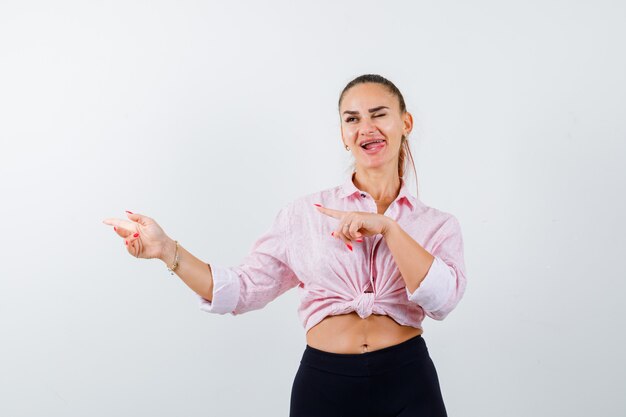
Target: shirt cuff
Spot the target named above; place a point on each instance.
(225, 291)
(435, 288)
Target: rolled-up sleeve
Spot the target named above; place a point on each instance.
(225, 291)
(444, 285)
(262, 276)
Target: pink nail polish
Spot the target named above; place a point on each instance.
(332, 234)
(136, 234)
(129, 212)
(317, 205)
(349, 246)
(115, 228)
(126, 242)
(359, 240)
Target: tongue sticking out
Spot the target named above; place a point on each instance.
(375, 145)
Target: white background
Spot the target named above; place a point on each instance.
(209, 117)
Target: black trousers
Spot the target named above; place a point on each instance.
(397, 381)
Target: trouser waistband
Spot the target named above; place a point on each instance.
(368, 363)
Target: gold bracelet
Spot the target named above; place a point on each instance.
(175, 264)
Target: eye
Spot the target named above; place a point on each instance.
(349, 118)
(380, 115)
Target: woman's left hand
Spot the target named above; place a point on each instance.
(355, 224)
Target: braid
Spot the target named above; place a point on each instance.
(402, 156)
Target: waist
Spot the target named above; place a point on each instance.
(369, 363)
(350, 334)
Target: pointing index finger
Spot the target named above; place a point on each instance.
(119, 223)
(331, 212)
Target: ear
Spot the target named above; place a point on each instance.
(407, 119)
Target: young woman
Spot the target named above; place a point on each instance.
(370, 261)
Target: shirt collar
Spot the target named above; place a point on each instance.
(348, 189)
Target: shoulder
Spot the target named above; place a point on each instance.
(435, 217)
(324, 197)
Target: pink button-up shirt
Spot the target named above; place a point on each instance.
(299, 251)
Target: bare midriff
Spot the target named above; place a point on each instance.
(349, 333)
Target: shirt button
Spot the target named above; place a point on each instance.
(362, 195)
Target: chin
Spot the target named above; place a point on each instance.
(372, 164)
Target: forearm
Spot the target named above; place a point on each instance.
(194, 272)
(412, 259)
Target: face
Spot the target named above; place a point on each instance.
(370, 112)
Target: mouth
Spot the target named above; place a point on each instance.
(372, 146)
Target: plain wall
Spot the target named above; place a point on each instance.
(209, 116)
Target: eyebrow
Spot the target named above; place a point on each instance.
(372, 110)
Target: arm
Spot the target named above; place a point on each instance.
(263, 275)
(205, 280)
(194, 272)
(434, 281)
(412, 259)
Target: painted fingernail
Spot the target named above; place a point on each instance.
(115, 228)
(359, 240)
(126, 242)
(136, 234)
(317, 205)
(129, 212)
(349, 246)
(332, 233)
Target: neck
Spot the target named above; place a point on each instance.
(383, 186)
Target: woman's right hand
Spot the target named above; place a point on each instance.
(144, 237)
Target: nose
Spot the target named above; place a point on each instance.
(367, 128)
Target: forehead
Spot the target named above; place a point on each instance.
(368, 95)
